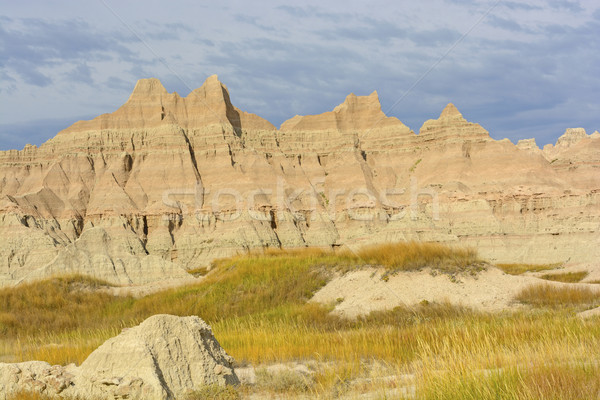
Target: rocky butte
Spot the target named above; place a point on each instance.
(167, 183)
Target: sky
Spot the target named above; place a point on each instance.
(520, 69)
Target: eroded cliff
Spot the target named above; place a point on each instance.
(168, 183)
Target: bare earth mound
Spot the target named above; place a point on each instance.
(163, 358)
(360, 292)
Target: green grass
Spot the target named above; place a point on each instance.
(518, 269)
(567, 277)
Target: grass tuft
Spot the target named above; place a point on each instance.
(567, 277)
(412, 256)
(214, 392)
(284, 381)
(518, 269)
(545, 295)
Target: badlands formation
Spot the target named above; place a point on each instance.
(166, 184)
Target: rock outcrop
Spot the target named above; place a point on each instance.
(36, 377)
(163, 358)
(168, 183)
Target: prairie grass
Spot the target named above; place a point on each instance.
(58, 305)
(546, 295)
(539, 381)
(257, 306)
(283, 381)
(416, 255)
(214, 392)
(567, 277)
(518, 269)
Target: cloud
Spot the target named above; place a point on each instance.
(506, 24)
(294, 11)
(530, 68)
(253, 21)
(28, 46)
(81, 73)
(513, 5)
(573, 6)
(151, 30)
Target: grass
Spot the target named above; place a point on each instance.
(214, 392)
(545, 295)
(567, 277)
(283, 381)
(566, 382)
(257, 306)
(43, 320)
(412, 169)
(518, 269)
(415, 255)
(58, 305)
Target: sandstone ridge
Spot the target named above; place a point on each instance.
(167, 183)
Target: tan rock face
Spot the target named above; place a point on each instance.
(165, 357)
(167, 183)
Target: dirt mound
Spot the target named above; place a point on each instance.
(163, 358)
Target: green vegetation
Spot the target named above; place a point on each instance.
(257, 306)
(518, 269)
(414, 166)
(567, 277)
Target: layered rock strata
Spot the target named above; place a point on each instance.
(167, 183)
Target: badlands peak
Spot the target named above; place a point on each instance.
(571, 136)
(356, 113)
(451, 112)
(150, 105)
(145, 88)
(452, 126)
(144, 193)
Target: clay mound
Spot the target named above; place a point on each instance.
(361, 292)
(163, 358)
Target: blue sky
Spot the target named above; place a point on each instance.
(527, 69)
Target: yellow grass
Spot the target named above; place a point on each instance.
(417, 255)
(518, 269)
(567, 277)
(257, 306)
(546, 295)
